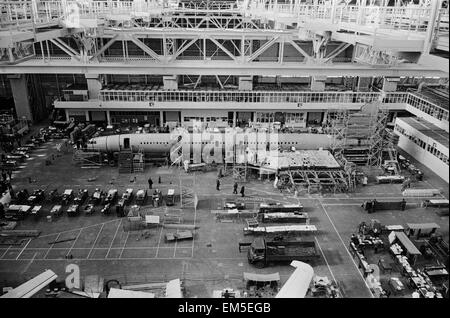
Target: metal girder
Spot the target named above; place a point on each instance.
(183, 48)
(66, 46)
(222, 47)
(145, 48)
(196, 32)
(299, 49)
(66, 49)
(341, 48)
(263, 48)
(104, 47)
(39, 66)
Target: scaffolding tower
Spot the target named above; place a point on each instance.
(188, 196)
(138, 160)
(360, 136)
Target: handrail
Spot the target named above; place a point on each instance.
(411, 18)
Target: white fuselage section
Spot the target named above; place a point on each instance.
(165, 142)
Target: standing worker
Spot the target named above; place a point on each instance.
(403, 204)
(159, 179)
(242, 191)
(235, 186)
(10, 174)
(364, 181)
(218, 185)
(150, 183)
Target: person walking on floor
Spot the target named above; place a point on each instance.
(3, 175)
(242, 191)
(218, 185)
(159, 179)
(150, 183)
(235, 187)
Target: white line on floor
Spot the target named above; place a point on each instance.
(46, 254)
(73, 244)
(326, 261)
(23, 248)
(115, 235)
(125, 244)
(351, 257)
(80, 228)
(5, 252)
(28, 265)
(95, 241)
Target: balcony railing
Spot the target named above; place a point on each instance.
(248, 97)
(421, 104)
(413, 18)
(427, 107)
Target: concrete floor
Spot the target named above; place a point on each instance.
(212, 260)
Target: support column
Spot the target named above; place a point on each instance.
(67, 114)
(428, 42)
(94, 84)
(161, 118)
(170, 83)
(390, 84)
(234, 119)
(20, 94)
(318, 83)
(87, 115)
(108, 117)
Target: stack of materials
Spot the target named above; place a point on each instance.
(421, 192)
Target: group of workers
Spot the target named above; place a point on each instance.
(235, 188)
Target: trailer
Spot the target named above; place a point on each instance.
(97, 197)
(17, 212)
(141, 197)
(179, 236)
(375, 205)
(36, 210)
(54, 196)
(36, 197)
(81, 196)
(263, 251)
(73, 210)
(191, 167)
(442, 203)
(56, 210)
(390, 179)
(284, 217)
(89, 209)
(170, 199)
(277, 207)
(285, 229)
(67, 196)
(127, 197)
(231, 205)
(156, 198)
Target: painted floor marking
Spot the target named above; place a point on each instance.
(350, 255)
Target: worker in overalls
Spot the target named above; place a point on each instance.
(235, 187)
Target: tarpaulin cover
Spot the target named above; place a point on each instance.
(262, 277)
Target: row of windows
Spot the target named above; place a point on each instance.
(207, 119)
(428, 108)
(153, 143)
(249, 97)
(422, 144)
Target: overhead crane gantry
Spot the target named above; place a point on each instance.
(240, 31)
